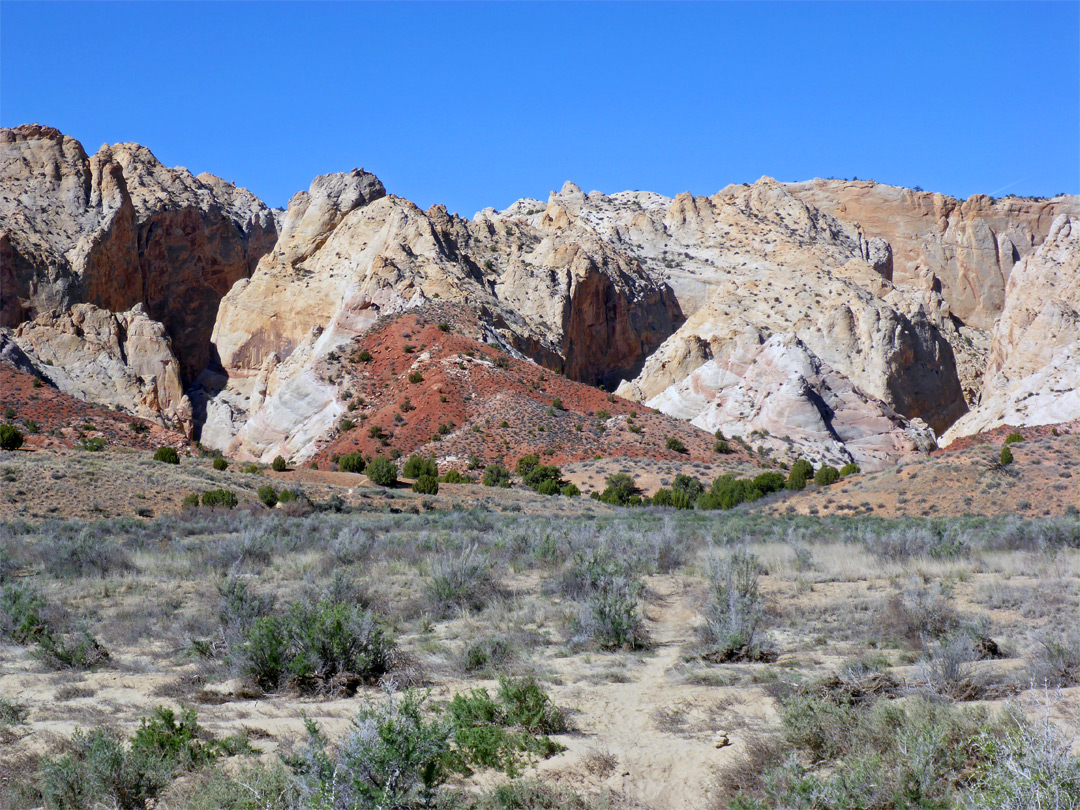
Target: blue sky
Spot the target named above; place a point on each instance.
(479, 104)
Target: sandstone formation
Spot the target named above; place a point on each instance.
(1033, 370)
(114, 359)
(349, 254)
(754, 263)
(119, 230)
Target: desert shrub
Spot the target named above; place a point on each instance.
(1056, 660)
(418, 465)
(312, 644)
(1013, 438)
(100, 770)
(426, 485)
(569, 490)
(727, 492)
(460, 580)
(621, 490)
(722, 447)
(454, 477)
(23, 613)
(364, 356)
(675, 444)
(167, 455)
(12, 713)
(1027, 767)
(268, 495)
(496, 475)
(416, 377)
(544, 478)
(801, 471)
(735, 610)
(95, 444)
(950, 668)
(252, 469)
(75, 650)
(531, 794)
(220, 463)
(351, 462)
(883, 756)
(11, 437)
(487, 653)
(769, 482)
(345, 425)
(526, 464)
(849, 469)
(826, 475)
(382, 471)
(251, 786)
(219, 497)
(611, 616)
(918, 615)
(239, 607)
(1006, 456)
(191, 500)
(88, 553)
(278, 464)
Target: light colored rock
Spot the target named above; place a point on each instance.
(116, 359)
(119, 229)
(1033, 375)
(349, 253)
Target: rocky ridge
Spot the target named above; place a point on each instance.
(118, 231)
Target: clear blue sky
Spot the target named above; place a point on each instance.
(480, 104)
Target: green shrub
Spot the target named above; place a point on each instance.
(278, 464)
(382, 471)
(611, 615)
(454, 477)
(545, 479)
(556, 403)
(167, 455)
(727, 492)
(219, 497)
(351, 462)
(416, 377)
(621, 490)
(268, 495)
(99, 770)
(311, 644)
(1013, 438)
(11, 437)
(526, 464)
(769, 482)
(570, 490)
(364, 356)
(190, 501)
(849, 469)
(252, 469)
(1006, 456)
(487, 653)
(96, 444)
(722, 447)
(826, 475)
(418, 465)
(801, 472)
(496, 475)
(675, 444)
(220, 463)
(426, 485)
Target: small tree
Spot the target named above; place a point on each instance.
(268, 495)
(496, 475)
(278, 464)
(674, 444)
(1013, 438)
(426, 485)
(826, 475)
(1006, 456)
(382, 471)
(219, 497)
(167, 455)
(220, 463)
(417, 466)
(849, 469)
(801, 471)
(351, 462)
(11, 437)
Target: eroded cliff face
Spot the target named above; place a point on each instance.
(1033, 371)
(774, 287)
(349, 254)
(119, 230)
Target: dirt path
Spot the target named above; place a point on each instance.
(659, 729)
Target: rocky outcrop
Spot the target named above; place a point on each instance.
(123, 360)
(1033, 372)
(119, 229)
(967, 249)
(349, 254)
(755, 264)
